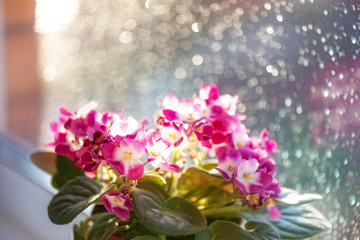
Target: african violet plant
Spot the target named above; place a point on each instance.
(197, 175)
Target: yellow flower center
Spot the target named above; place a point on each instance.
(247, 176)
(127, 156)
(240, 145)
(254, 199)
(153, 153)
(119, 200)
(231, 167)
(172, 135)
(190, 116)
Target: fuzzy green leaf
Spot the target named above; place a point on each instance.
(77, 235)
(65, 171)
(290, 196)
(153, 178)
(73, 198)
(164, 215)
(136, 229)
(194, 179)
(261, 231)
(297, 221)
(226, 230)
(146, 237)
(103, 227)
(205, 234)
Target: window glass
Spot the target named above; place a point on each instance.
(293, 64)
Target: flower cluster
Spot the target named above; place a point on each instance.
(186, 130)
(244, 160)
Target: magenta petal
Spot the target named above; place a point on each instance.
(199, 135)
(122, 212)
(255, 188)
(207, 130)
(135, 171)
(265, 179)
(169, 167)
(108, 150)
(79, 127)
(206, 144)
(54, 127)
(217, 138)
(106, 203)
(90, 118)
(65, 112)
(241, 187)
(247, 153)
(271, 146)
(225, 175)
(170, 114)
(214, 92)
(118, 165)
(209, 92)
(118, 139)
(216, 110)
(62, 149)
(274, 213)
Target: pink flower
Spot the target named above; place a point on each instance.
(155, 146)
(239, 136)
(115, 202)
(171, 134)
(203, 131)
(164, 165)
(263, 142)
(124, 127)
(268, 144)
(209, 92)
(255, 200)
(249, 180)
(186, 110)
(125, 158)
(228, 164)
(274, 213)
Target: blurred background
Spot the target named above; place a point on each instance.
(295, 66)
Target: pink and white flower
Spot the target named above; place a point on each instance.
(249, 180)
(228, 164)
(125, 158)
(171, 133)
(115, 202)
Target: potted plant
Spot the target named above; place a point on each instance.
(198, 174)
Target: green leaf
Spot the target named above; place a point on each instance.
(103, 227)
(46, 161)
(205, 234)
(77, 235)
(297, 221)
(290, 196)
(204, 189)
(232, 211)
(65, 171)
(146, 237)
(226, 230)
(73, 198)
(136, 229)
(261, 231)
(153, 178)
(164, 215)
(194, 179)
